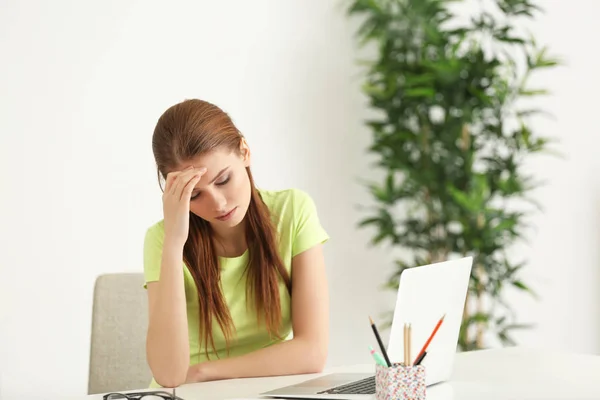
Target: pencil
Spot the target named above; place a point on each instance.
(437, 326)
(409, 343)
(420, 358)
(381, 346)
(405, 340)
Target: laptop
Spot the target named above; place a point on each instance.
(425, 294)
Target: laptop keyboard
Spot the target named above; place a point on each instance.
(364, 386)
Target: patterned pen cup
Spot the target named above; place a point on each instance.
(400, 383)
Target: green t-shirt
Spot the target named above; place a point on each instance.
(297, 223)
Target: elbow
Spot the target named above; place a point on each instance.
(316, 358)
(169, 382)
(318, 364)
(315, 368)
(170, 379)
(168, 372)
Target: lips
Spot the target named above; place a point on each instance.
(225, 217)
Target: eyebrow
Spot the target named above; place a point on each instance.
(215, 178)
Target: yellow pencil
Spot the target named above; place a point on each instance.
(405, 334)
(409, 344)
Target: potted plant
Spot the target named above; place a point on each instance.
(452, 132)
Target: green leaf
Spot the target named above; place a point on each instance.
(389, 184)
(413, 80)
(512, 327)
(530, 112)
(419, 92)
(477, 318)
(380, 194)
(364, 5)
(524, 287)
(462, 199)
(373, 90)
(505, 339)
(509, 39)
(368, 221)
(542, 61)
(533, 92)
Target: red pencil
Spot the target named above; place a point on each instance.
(424, 349)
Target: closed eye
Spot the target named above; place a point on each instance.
(218, 184)
(222, 182)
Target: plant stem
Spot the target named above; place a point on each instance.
(480, 325)
(467, 337)
(480, 289)
(466, 138)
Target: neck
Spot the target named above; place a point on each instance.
(231, 242)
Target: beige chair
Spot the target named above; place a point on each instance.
(118, 340)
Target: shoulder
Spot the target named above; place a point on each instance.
(156, 229)
(290, 202)
(296, 215)
(155, 234)
(153, 243)
(282, 195)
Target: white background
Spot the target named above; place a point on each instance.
(82, 84)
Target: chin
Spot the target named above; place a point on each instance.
(232, 223)
(234, 220)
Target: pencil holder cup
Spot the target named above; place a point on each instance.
(399, 382)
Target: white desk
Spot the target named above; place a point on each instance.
(499, 374)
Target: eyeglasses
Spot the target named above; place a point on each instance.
(157, 395)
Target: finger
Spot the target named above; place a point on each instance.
(177, 176)
(186, 193)
(186, 175)
(181, 178)
(171, 177)
(184, 179)
(201, 171)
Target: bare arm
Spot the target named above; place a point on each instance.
(307, 351)
(167, 342)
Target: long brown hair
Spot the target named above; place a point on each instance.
(183, 132)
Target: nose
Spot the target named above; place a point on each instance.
(219, 202)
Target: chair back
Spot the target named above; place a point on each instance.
(118, 339)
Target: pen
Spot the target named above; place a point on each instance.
(378, 359)
(381, 346)
(437, 326)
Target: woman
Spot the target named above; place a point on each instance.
(222, 265)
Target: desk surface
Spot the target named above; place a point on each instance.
(510, 373)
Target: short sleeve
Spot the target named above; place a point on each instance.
(308, 231)
(153, 245)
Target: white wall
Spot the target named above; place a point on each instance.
(82, 84)
(564, 253)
